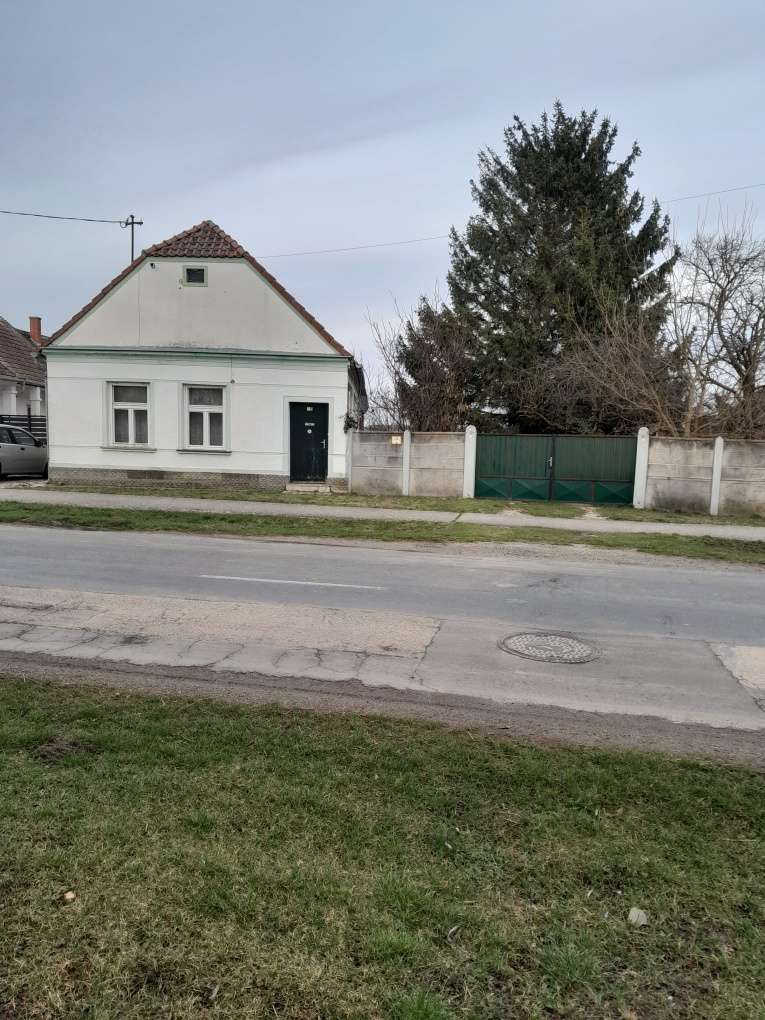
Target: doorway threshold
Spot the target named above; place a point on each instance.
(308, 487)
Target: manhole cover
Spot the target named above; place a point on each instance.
(549, 647)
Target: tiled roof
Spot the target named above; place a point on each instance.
(18, 356)
(206, 240)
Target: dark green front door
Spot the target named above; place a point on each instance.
(309, 435)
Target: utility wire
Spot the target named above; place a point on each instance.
(355, 247)
(48, 216)
(364, 247)
(443, 237)
(710, 194)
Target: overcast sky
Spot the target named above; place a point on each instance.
(300, 126)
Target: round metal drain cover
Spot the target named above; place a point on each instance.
(549, 647)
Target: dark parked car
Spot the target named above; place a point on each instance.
(21, 453)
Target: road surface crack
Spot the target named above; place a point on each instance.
(425, 651)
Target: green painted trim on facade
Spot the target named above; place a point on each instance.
(202, 352)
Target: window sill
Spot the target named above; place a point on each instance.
(130, 449)
(203, 449)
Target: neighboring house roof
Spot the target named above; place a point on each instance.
(206, 240)
(18, 356)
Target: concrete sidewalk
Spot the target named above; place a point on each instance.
(512, 518)
(683, 681)
(507, 519)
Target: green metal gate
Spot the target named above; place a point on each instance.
(582, 469)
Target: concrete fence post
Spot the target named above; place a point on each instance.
(641, 468)
(406, 463)
(468, 476)
(717, 463)
(349, 457)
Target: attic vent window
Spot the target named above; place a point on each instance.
(195, 276)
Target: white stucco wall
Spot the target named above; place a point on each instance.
(258, 394)
(237, 309)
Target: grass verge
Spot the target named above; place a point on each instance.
(629, 513)
(230, 862)
(729, 550)
(536, 508)
(456, 506)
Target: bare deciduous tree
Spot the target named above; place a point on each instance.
(426, 371)
(701, 372)
(719, 324)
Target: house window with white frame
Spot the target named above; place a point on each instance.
(129, 414)
(204, 417)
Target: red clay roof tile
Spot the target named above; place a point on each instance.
(18, 356)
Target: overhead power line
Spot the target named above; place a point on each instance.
(355, 247)
(49, 216)
(443, 237)
(129, 221)
(132, 222)
(711, 194)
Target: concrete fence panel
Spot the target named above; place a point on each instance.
(377, 460)
(437, 464)
(679, 474)
(416, 463)
(742, 482)
(710, 476)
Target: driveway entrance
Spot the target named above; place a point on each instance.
(580, 469)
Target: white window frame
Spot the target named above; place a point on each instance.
(205, 410)
(131, 407)
(193, 283)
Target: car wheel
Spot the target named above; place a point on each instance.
(2, 476)
(44, 472)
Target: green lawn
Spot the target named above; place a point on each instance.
(239, 863)
(456, 506)
(729, 550)
(537, 508)
(629, 513)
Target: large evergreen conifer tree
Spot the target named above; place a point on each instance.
(557, 237)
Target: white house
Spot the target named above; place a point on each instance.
(195, 363)
(22, 373)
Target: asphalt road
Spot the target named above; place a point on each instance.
(708, 603)
(684, 643)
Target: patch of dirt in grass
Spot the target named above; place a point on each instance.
(58, 748)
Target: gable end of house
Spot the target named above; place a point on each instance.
(205, 243)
